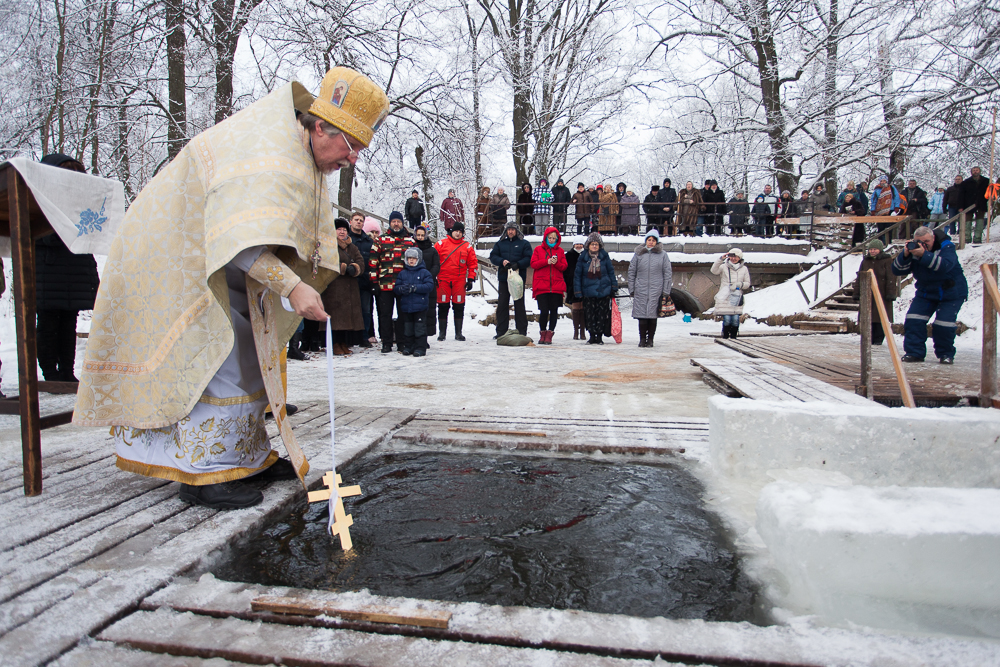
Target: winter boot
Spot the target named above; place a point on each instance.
(650, 332)
(293, 349)
(459, 318)
(442, 320)
(599, 339)
(734, 330)
(579, 330)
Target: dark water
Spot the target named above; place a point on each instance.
(607, 537)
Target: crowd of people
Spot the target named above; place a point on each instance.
(692, 211)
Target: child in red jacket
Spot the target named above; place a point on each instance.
(547, 284)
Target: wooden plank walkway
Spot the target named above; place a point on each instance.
(99, 540)
(765, 380)
(561, 434)
(929, 390)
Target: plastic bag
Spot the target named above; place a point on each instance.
(736, 298)
(616, 322)
(515, 285)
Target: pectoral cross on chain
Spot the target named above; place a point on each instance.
(316, 259)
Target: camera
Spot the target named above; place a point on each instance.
(912, 245)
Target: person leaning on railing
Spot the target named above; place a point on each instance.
(941, 289)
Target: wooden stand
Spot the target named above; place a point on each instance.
(341, 520)
(991, 307)
(865, 326)
(23, 222)
(890, 340)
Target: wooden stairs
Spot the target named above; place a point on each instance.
(834, 314)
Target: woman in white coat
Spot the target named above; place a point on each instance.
(735, 283)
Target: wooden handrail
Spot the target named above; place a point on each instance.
(991, 285)
(988, 384)
(897, 363)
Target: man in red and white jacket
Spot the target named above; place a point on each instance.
(458, 271)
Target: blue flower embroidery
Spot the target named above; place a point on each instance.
(90, 221)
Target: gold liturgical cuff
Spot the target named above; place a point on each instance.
(270, 271)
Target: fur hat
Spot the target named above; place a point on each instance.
(594, 236)
(371, 225)
(413, 252)
(341, 223)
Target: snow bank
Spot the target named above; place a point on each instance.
(951, 447)
(915, 559)
(786, 299)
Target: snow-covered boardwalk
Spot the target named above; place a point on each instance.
(98, 540)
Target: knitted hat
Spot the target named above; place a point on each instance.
(351, 102)
(655, 234)
(395, 215)
(580, 185)
(458, 227)
(371, 225)
(736, 251)
(580, 240)
(875, 243)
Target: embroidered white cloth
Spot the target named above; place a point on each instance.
(84, 210)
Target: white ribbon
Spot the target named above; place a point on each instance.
(333, 453)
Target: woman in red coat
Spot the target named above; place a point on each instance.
(547, 284)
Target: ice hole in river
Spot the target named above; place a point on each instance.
(621, 537)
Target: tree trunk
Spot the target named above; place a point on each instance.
(770, 88)
(176, 77)
(225, 51)
(425, 176)
(477, 130)
(346, 191)
(890, 112)
(830, 100)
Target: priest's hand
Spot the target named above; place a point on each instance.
(307, 302)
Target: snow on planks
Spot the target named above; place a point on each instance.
(563, 434)
(765, 380)
(99, 540)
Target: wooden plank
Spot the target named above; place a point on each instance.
(91, 499)
(266, 643)
(904, 385)
(533, 434)
(371, 613)
(988, 364)
(600, 429)
(444, 416)
(102, 654)
(65, 480)
(765, 380)
(865, 327)
(23, 255)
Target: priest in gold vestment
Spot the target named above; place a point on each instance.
(217, 260)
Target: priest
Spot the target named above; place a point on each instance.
(215, 263)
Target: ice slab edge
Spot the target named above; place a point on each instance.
(879, 446)
(913, 559)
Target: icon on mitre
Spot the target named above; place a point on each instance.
(339, 93)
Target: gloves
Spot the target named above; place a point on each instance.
(411, 289)
(468, 285)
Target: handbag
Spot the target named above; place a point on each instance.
(667, 307)
(515, 284)
(616, 321)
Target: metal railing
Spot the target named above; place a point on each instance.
(885, 232)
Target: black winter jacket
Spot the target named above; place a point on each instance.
(516, 251)
(432, 261)
(414, 211)
(363, 242)
(63, 281)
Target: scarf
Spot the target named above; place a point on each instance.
(594, 270)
